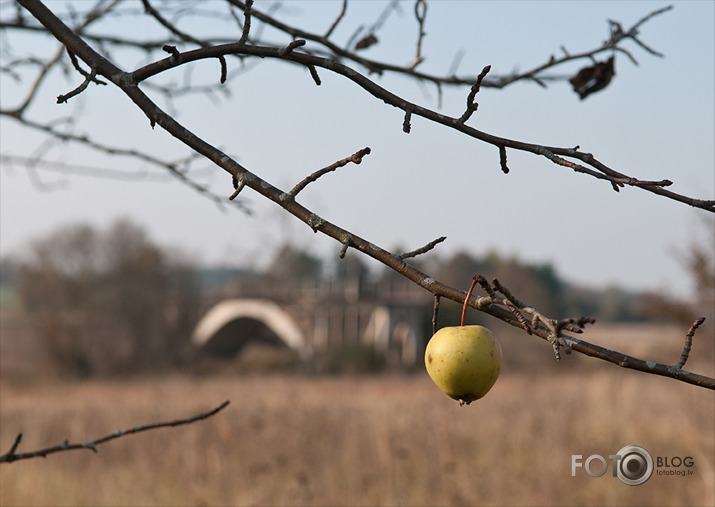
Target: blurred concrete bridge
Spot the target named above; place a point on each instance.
(317, 319)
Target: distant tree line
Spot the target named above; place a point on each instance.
(107, 302)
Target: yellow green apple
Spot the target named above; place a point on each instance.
(464, 361)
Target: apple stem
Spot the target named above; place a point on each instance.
(466, 299)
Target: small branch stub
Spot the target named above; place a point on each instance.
(346, 244)
(224, 69)
(406, 123)
(314, 74)
(175, 55)
(290, 47)
(502, 159)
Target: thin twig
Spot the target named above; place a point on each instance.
(472, 105)
(429, 246)
(688, 342)
(435, 312)
(89, 79)
(246, 22)
(337, 20)
(355, 158)
(420, 15)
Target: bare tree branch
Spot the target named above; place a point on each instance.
(172, 167)
(534, 74)
(11, 455)
(558, 155)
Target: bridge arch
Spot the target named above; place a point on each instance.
(265, 312)
(395, 334)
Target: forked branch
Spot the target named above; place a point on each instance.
(535, 323)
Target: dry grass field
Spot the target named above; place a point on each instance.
(372, 440)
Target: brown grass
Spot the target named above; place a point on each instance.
(385, 440)
(292, 440)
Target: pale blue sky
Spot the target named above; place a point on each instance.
(655, 121)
